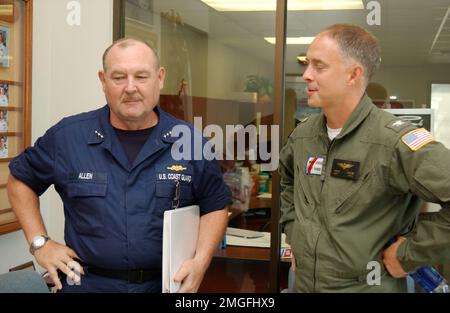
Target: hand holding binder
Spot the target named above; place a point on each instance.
(180, 236)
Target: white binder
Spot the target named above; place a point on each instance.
(180, 236)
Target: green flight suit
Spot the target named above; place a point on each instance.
(337, 225)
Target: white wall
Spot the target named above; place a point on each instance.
(65, 64)
(412, 82)
(228, 69)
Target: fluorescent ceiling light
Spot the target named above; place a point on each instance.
(292, 40)
(293, 5)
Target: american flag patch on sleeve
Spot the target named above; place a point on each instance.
(417, 138)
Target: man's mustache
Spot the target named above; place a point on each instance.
(131, 99)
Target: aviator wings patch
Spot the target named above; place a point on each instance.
(176, 168)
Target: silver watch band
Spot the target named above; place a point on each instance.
(38, 242)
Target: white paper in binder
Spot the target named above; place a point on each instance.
(180, 236)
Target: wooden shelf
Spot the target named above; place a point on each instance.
(6, 160)
(260, 203)
(11, 82)
(12, 134)
(2, 185)
(11, 108)
(9, 227)
(2, 211)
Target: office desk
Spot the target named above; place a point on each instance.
(242, 269)
(244, 253)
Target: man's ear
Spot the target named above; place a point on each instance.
(356, 74)
(101, 76)
(161, 77)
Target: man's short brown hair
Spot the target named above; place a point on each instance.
(357, 43)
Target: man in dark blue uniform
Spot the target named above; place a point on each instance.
(115, 174)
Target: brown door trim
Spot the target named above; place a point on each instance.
(280, 47)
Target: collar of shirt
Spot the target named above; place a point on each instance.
(362, 110)
(333, 132)
(103, 133)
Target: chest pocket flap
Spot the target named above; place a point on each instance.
(350, 190)
(93, 185)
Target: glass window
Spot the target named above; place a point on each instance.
(415, 46)
(220, 69)
(220, 73)
(415, 43)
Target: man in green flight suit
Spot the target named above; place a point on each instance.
(353, 177)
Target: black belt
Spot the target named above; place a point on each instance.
(132, 276)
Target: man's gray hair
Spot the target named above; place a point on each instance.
(127, 42)
(357, 43)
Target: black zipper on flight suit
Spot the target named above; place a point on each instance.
(329, 144)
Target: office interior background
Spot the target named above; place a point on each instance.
(226, 62)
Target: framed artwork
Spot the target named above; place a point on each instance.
(295, 91)
(418, 117)
(140, 10)
(3, 120)
(15, 95)
(3, 147)
(4, 95)
(4, 46)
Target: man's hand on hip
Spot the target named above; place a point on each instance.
(390, 260)
(54, 256)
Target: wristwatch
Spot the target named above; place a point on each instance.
(38, 242)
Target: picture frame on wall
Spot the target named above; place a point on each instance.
(4, 45)
(4, 97)
(3, 147)
(3, 120)
(295, 92)
(140, 10)
(417, 117)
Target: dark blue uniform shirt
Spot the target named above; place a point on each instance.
(114, 210)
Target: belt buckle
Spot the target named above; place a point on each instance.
(136, 276)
